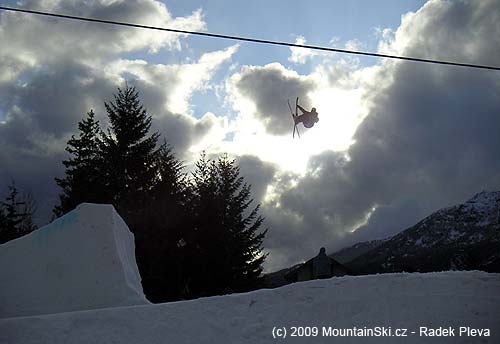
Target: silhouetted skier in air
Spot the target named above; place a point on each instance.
(308, 118)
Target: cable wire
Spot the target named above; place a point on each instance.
(254, 40)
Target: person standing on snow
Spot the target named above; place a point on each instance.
(322, 265)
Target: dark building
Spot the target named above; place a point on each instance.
(321, 266)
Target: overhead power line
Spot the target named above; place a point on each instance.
(254, 40)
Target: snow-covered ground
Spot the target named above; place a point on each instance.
(399, 302)
(76, 281)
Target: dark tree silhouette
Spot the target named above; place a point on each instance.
(165, 224)
(229, 253)
(149, 191)
(130, 152)
(16, 215)
(83, 181)
(193, 235)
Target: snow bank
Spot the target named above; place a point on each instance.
(83, 260)
(396, 301)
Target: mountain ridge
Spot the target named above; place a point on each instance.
(465, 236)
(461, 237)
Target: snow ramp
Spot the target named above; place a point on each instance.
(83, 260)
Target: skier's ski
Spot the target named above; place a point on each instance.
(293, 117)
(296, 115)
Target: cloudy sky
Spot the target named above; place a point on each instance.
(395, 141)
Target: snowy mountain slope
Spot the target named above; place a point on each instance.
(83, 260)
(395, 301)
(465, 236)
(349, 253)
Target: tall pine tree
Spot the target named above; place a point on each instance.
(144, 182)
(164, 227)
(193, 236)
(130, 151)
(229, 253)
(150, 192)
(83, 181)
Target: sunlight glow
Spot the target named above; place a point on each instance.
(340, 112)
(364, 221)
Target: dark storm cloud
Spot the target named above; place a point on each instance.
(55, 97)
(270, 87)
(42, 112)
(258, 174)
(179, 131)
(32, 173)
(430, 138)
(53, 71)
(312, 213)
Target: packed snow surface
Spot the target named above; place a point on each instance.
(83, 260)
(404, 302)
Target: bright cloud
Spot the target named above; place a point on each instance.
(182, 79)
(300, 55)
(259, 95)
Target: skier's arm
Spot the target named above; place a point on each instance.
(302, 109)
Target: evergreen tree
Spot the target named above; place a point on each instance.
(16, 215)
(83, 181)
(193, 236)
(164, 228)
(229, 253)
(27, 210)
(150, 192)
(144, 183)
(130, 153)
